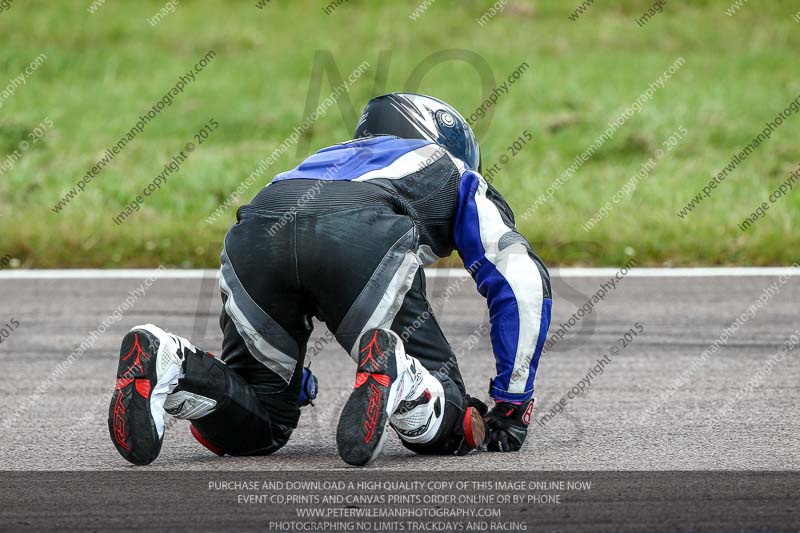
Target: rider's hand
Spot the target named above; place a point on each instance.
(507, 426)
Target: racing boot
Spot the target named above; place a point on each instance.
(149, 369)
(393, 387)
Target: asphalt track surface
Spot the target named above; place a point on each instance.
(714, 421)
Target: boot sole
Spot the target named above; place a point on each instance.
(130, 421)
(361, 431)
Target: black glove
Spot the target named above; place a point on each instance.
(507, 426)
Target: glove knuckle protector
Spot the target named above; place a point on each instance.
(507, 425)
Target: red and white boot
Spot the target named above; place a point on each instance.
(394, 388)
(149, 368)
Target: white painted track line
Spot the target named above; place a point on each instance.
(431, 273)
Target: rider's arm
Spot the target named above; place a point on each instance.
(513, 280)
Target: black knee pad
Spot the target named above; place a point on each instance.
(448, 440)
(238, 424)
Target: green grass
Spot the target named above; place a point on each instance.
(105, 69)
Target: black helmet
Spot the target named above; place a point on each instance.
(416, 116)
